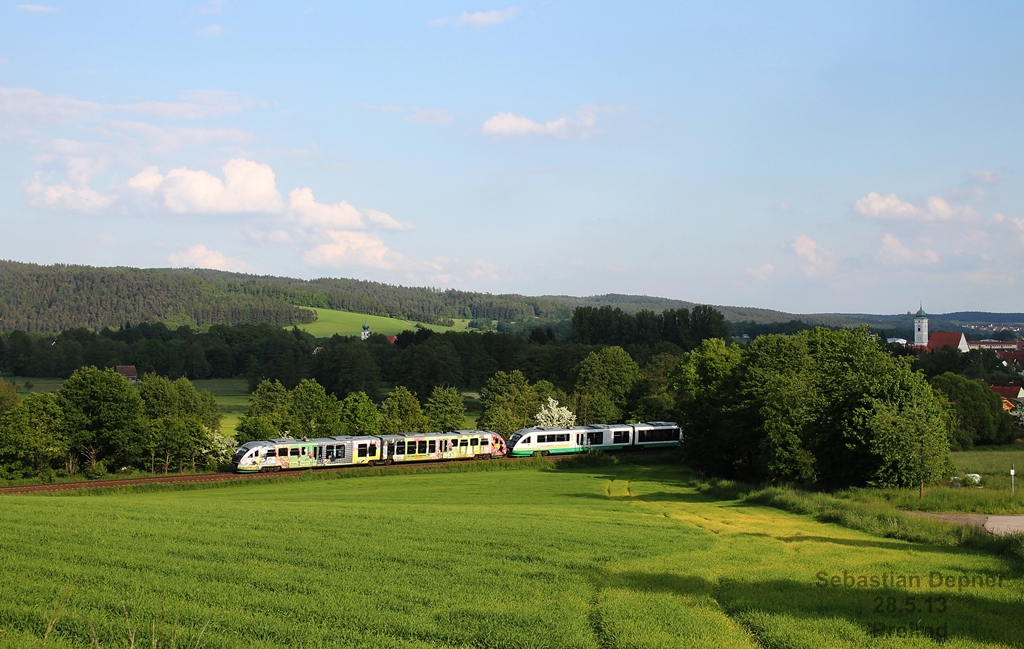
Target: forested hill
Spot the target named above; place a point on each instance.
(61, 297)
(57, 298)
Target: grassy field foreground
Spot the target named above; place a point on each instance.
(622, 556)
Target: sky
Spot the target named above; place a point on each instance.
(807, 157)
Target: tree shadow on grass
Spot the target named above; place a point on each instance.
(864, 543)
(937, 612)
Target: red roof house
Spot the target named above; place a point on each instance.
(129, 372)
(941, 339)
(1008, 391)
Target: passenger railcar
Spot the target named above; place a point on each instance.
(604, 437)
(289, 453)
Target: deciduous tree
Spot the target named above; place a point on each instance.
(446, 410)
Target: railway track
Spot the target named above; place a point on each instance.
(224, 477)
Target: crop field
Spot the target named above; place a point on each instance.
(346, 323)
(621, 556)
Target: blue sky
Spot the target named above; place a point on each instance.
(857, 157)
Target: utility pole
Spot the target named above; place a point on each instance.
(1013, 484)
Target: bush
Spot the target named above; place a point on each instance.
(96, 472)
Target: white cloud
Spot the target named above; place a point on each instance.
(892, 252)
(37, 9)
(26, 104)
(212, 31)
(386, 222)
(198, 104)
(167, 140)
(352, 248)
(106, 239)
(509, 124)
(64, 197)
(762, 272)
(891, 207)
(199, 256)
(434, 116)
(303, 208)
(477, 19)
(983, 177)
(247, 187)
(820, 260)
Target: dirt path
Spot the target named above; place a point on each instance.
(998, 525)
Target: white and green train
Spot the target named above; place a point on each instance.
(603, 437)
(290, 453)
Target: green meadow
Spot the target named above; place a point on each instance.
(346, 323)
(500, 554)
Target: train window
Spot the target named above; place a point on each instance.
(373, 450)
(421, 446)
(563, 438)
(340, 451)
(620, 437)
(294, 452)
(485, 442)
(464, 442)
(595, 438)
(362, 450)
(453, 444)
(281, 452)
(474, 442)
(400, 448)
(526, 440)
(432, 447)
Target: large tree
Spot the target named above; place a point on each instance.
(446, 410)
(603, 381)
(402, 413)
(979, 415)
(102, 417)
(32, 438)
(312, 412)
(267, 414)
(509, 403)
(359, 415)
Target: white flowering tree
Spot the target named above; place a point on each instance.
(553, 414)
(1018, 415)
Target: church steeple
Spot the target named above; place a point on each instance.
(921, 328)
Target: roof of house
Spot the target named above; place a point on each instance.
(1008, 391)
(127, 370)
(1011, 357)
(941, 339)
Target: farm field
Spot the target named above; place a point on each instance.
(346, 323)
(622, 556)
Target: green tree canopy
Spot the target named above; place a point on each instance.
(446, 410)
(312, 412)
(509, 403)
(359, 415)
(32, 437)
(102, 416)
(603, 381)
(979, 417)
(402, 413)
(267, 414)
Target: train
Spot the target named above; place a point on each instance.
(595, 437)
(376, 450)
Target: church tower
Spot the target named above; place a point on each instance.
(366, 331)
(921, 328)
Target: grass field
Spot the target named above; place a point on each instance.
(615, 557)
(38, 384)
(346, 323)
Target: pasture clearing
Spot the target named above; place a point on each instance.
(347, 323)
(619, 556)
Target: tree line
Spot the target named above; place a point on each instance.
(98, 422)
